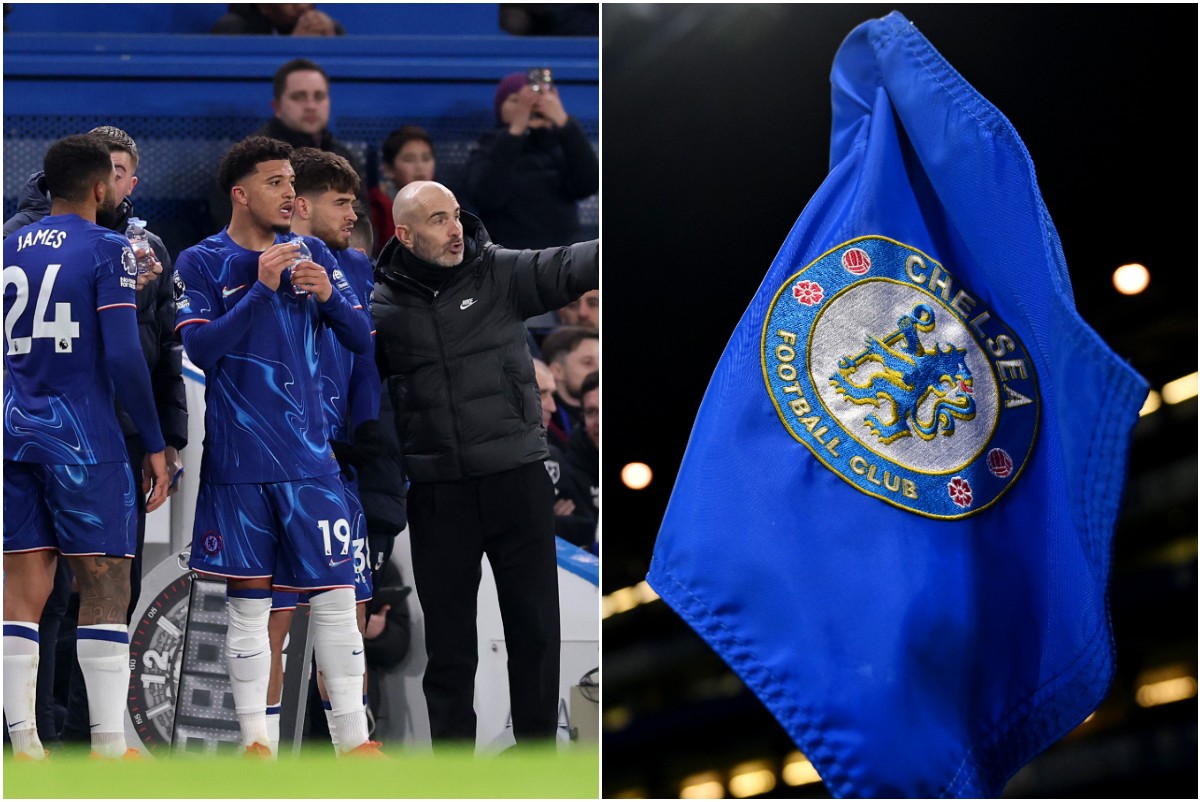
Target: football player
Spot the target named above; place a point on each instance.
(326, 187)
(71, 337)
(271, 511)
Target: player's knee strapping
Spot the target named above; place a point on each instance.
(248, 647)
(339, 648)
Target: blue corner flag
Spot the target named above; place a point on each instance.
(894, 516)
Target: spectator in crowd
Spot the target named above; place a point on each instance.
(527, 175)
(164, 357)
(301, 106)
(407, 156)
(68, 489)
(449, 309)
(583, 311)
(546, 390)
(271, 512)
(286, 19)
(578, 528)
(572, 352)
(581, 467)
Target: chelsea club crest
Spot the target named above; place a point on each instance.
(899, 379)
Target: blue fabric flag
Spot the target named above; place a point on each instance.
(893, 519)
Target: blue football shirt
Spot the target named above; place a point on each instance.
(264, 419)
(61, 274)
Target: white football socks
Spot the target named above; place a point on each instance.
(331, 721)
(248, 657)
(20, 687)
(103, 652)
(273, 727)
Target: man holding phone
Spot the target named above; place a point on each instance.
(529, 173)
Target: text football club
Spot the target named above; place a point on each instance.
(899, 379)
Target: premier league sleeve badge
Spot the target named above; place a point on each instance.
(899, 379)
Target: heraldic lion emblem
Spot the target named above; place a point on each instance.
(910, 376)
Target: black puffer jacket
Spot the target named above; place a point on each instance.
(581, 473)
(456, 362)
(155, 315)
(33, 206)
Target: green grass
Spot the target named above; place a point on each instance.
(526, 773)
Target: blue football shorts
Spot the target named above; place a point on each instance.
(282, 600)
(297, 533)
(358, 535)
(77, 510)
(286, 600)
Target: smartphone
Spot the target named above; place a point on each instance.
(539, 78)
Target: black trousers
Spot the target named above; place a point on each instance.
(509, 517)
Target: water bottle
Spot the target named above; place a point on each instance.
(302, 255)
(140, 242)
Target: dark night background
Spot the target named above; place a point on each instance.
(715, 134)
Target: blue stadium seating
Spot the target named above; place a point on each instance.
(186, 98)
(158, 18)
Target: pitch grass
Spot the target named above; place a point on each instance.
(520, 773)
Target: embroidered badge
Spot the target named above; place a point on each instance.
(212, 543)
(898, 379)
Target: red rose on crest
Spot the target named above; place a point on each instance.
(808, 293)
(960, 491)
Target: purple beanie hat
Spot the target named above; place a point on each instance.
(510, 84)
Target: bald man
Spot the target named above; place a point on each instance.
(450, 309)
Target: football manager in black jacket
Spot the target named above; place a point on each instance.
(452, 348)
